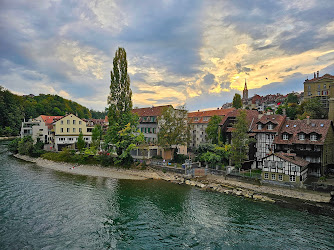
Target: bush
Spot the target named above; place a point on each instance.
(14, 145)
(158, 157)
(105, 159)
(8, 131)
(25, 146)
(179, 158)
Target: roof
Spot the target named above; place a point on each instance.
(295, 127)
(265, 119)
(50, 119)
(207, 113)
(328, 76)
(251, 116)
(291, 158)
(150, 111)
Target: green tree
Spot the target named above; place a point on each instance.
(237, 102)
(13, 146)
(314, 109)
(173, 127)
(213, 128)
(240, 140)
(25, 146)
(81, 143)
(96, 136)
(122, 131)
(292, 98)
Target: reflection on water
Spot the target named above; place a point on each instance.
(42, 208)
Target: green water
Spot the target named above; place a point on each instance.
(45, 209)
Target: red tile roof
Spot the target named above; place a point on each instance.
(207, 113)
(294, 127)
(151, 111)
(251, 116)
(50, 119)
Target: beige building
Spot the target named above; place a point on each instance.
(319, 87)
(67, 129)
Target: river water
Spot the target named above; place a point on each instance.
(42, 208)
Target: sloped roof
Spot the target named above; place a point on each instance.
(291, 158)
(207, 113)
(150, 111)
(265, 119)
(294, 127)
(251, 116)
(48, 119)
(328, 76)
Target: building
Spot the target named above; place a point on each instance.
(149, 126)
(245, 92)
(319, 87)
(66, 131)
(39, 127)
(199, 122)
(311, 140)
(266, 128)
(284, 168)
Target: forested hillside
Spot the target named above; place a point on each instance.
(14, 108)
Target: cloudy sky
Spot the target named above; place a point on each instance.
(193, 52)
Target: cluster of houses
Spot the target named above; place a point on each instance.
(286, 150)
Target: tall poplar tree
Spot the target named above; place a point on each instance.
(122, 132)
(237, 102)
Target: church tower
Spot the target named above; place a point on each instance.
(245, 92)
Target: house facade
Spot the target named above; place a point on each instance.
(284, 168)
(311, 140)
(199, 122)
(67, 129)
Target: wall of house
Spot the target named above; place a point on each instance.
(198, 134)
(264, 141)
(328, 150)
(151, 136)
(71, 125)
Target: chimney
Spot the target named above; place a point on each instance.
(314, 74)
(218, 108)
(318, 74)
(308, 120)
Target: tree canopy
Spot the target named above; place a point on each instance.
(213, 128)
(173, 127)
(237, 102)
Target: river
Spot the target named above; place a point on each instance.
(43, 208)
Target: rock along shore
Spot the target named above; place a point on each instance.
(209, 183)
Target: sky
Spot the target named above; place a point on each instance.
(192, 52)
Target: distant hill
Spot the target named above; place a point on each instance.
(14, 108)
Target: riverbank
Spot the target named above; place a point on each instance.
(210, 182)
(6, 138)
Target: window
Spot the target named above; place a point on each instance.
(145, 130)
(313, 137)
(153, 130)
(280, 165)
(285, 137)
(318, 92)
(270, 126)
(301, 137)
(324, 86)
(292, 178)
(62, 130)
(266, 175)
(142, 130)
(89, 130)
(68, 121)
(73, 130)
(309, 93)
(80, 129)
(86, 139)
(61, 122)
(206, 118)
(68, 130)
(324, 92)
(280, 177)
(80, 122)
(148, 130)
(308, 87)
(259, 126)
(318, 86)
(273, 176)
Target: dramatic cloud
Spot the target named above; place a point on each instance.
(195, 52)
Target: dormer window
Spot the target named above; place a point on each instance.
(301, 137)
(270, 126)
(313, 137)
(259, 126)
(205, 118)
(285, 137)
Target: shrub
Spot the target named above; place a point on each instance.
(25, 146)
(13, 145)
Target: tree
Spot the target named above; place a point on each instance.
(96, 136)
(240, 140)
(81, 143)
(237, 103)
(173, 127)
(313, 108)
(122, 130)
(212, 129)
(25, 145)
(292, 98)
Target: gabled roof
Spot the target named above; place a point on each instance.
(62, 117)
(207, 113)
(295, 127)
(150, 111)
(251, 116)
(265, 119)
(48, 119)
(328, 76)
(291, 158)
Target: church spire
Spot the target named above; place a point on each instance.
(245, 85)
(245, 92)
